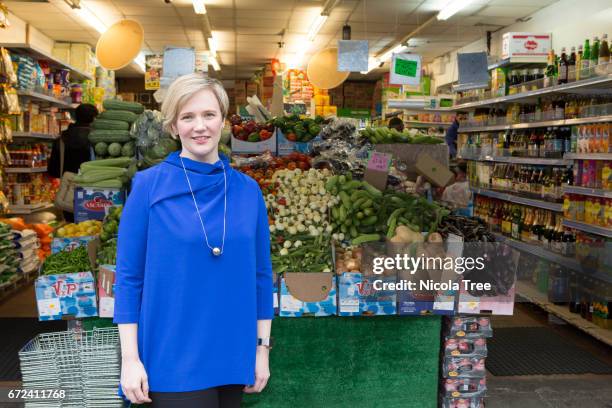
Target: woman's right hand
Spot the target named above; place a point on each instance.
(134, 381)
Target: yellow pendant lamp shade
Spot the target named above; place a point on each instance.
(120, 44)
(323, 69)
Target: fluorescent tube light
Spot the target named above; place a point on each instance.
(316, 26)
(215, 64)
(199, 7)
(91, 19)
(395, 50)
(452, 8)
(212, 46)
(140, 61)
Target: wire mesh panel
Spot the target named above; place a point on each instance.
(86, 365)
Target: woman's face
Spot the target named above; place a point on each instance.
(199, 126)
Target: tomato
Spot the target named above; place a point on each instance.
(303, 165)
(291, 166)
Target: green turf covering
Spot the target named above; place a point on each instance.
(355, 362)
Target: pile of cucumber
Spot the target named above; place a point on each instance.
(110, 134)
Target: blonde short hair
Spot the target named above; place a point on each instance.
(183, 88)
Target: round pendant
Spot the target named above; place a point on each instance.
(216, 251)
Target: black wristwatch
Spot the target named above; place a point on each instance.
(267, 342)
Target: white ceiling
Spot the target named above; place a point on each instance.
(248, 31)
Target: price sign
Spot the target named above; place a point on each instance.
(379, 161)
(405, 69)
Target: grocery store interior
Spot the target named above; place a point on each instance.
(373, 127)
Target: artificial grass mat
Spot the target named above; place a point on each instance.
(356, 362)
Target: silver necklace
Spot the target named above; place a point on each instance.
(216, 251)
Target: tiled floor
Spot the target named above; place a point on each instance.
(560, 391)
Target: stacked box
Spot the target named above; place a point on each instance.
(463, 363)
(251, 89)
(61, 51)
(240, 92)
(68, 295)
(82, 58)
(307, 294)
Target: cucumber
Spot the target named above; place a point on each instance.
(362, 239)
(110, 124)
(116, 104)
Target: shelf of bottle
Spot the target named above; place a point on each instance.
(593, 229)
(595, 192)
(516, 63)
(602, 80)
(530, 125)
(529, 292)
(565, 261)
(587, 156)
(540, 161)
(518, 200)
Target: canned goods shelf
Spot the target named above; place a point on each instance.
(595, 192)
(593, 229)
(26, 169)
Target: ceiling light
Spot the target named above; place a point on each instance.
(292, 60)
(215, 64)
(316, 26)
(140, 61)
(199, 7)
(452, 8)
(395, 50)
(91, 19)
(372, 64)
(212, 46)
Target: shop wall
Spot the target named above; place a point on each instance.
(132, 89)
(569, 21)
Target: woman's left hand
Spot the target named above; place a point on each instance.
(262, 371)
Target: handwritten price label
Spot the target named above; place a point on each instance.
(379, 161)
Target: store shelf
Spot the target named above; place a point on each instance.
(45, 98)
(530, 125)
(604, 81)
(28, 208)
(565, 261)
(31, 135)
(26, 169)
(515, 63)
(530, 293)
(595, 192)
(409, 105)
(588, 156)
(33, 52)
(418, 124)
(541, 161)
(519, 200)
(593, 229)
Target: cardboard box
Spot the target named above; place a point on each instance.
(106, 290)
(69, 244)
(330, 111)
(61, 51)
(66, 296)
(240, 146)
(321, 100)
(275, 300)
(251, 88)
(93, 203)
(435, 172)
(308, 294)
(374, 299)
(285, 147)
(389, 93)
(528, 47)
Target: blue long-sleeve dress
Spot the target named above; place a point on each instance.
(196, 313)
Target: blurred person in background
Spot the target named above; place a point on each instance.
(76, 146)
(396, 123)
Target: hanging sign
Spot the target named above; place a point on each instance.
(352, 55)
(201, 61)
(153, 70)
(177, 62)
(405, 69)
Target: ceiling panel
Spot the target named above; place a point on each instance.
(264, 4)
(507, 11)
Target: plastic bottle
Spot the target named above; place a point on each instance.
(604, 51)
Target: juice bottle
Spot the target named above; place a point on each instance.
(604, 138)
(586, 60)
(578, 66)
(580, 207)
(588, 210)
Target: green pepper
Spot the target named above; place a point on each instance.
(314, 129)
(253, 137)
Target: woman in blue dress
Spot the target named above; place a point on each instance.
(193, 291)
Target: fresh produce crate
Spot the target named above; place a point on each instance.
(93, 203)
(286, 147)
(66, 295)
(106, 294)
(409, 153)
(68, 244)
(307, 294)
(246, 147)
